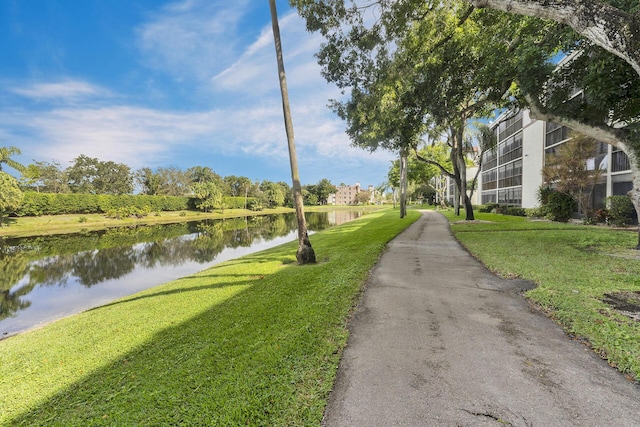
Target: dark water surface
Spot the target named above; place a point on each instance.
(46, 278)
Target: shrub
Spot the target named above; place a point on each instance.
(560, 206)
(543, 194)
(488, 208)
(236, 202)
(127, 212)
(254, 205)
(621, 210)
(555, 205)
(513, 211)
(602, 215)
(534, 212)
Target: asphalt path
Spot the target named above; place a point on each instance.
(438, 340)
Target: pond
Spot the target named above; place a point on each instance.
(46, 278)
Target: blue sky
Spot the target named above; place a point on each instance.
(170, 83)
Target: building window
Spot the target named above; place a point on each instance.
(490, 179)
(510, 197)
(511, 148)
(622, 188)
(489, 159)
(555, 133)
(489, 197)
(510, 175)
(619, 161)
(508, 127)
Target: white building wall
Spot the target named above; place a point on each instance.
(532, 159)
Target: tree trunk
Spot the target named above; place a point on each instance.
(403, 185)
(456, 179)
(605, 25)
(460, 169)
(305, 253)
(468, 207)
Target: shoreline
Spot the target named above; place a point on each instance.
(48, 225)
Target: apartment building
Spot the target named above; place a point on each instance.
(346, 194)
(512, 174)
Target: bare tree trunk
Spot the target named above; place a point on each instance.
(403, 184)
(305, 253)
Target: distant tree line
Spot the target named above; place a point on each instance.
(90, 185)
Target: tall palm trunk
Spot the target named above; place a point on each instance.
(305, 253)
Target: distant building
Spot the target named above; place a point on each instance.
(346, 194)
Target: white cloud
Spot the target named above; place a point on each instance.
(192, 38)
(66, 90)
(196, 41)
(255, 70)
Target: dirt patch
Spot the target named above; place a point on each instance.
(625, 302)
(627, 254)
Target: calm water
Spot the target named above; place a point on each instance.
(46, 278)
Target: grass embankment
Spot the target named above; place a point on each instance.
(63, 224)
(253, 341)
(575, 267)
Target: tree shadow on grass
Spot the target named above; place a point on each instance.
(264, 356)
(183, 290)
(7, 221)
(251, 360)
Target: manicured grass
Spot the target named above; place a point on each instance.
(574, 267)
(253, 341)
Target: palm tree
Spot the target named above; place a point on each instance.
(5, 157)
(305, 253)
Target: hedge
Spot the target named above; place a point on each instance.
(36, 204)
(237, 202)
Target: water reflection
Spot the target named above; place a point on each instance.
(44, 278)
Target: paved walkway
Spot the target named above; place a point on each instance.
(439, 341)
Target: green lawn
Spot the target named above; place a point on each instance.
(253, 341)
(575, 267)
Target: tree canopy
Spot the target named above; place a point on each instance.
(612, 25)
(90, 175)
(6, 154)
(10, 195)
(453, 61)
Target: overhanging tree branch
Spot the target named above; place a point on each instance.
(434, 163)
(605, 25)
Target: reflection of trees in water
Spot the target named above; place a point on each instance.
(277, 225)
(210, 242)
(51, 271)
(12, 269)
(93, 267)
(111, 254)
(318, 221)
